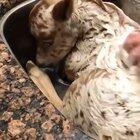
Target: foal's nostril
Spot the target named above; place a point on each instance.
(106, 137)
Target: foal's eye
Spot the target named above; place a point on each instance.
(48, 43)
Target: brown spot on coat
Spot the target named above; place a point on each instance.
(88, 94)
(129, 132)
(103, 114)
(107, 137)
(69, 102)
(122, 104)
(81, 114)
(76, 116)
(91, 101)
(83, 122)
(116, 113)
(90, 124)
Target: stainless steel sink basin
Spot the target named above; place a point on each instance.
(15, 33)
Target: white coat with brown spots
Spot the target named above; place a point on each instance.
(104, 99)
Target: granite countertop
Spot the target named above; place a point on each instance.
(25, 113)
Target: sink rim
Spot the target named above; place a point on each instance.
(3, 21)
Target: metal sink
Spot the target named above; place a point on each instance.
(15, 33)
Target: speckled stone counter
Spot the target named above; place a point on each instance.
(25, 113)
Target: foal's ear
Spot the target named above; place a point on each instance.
(63, 10)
